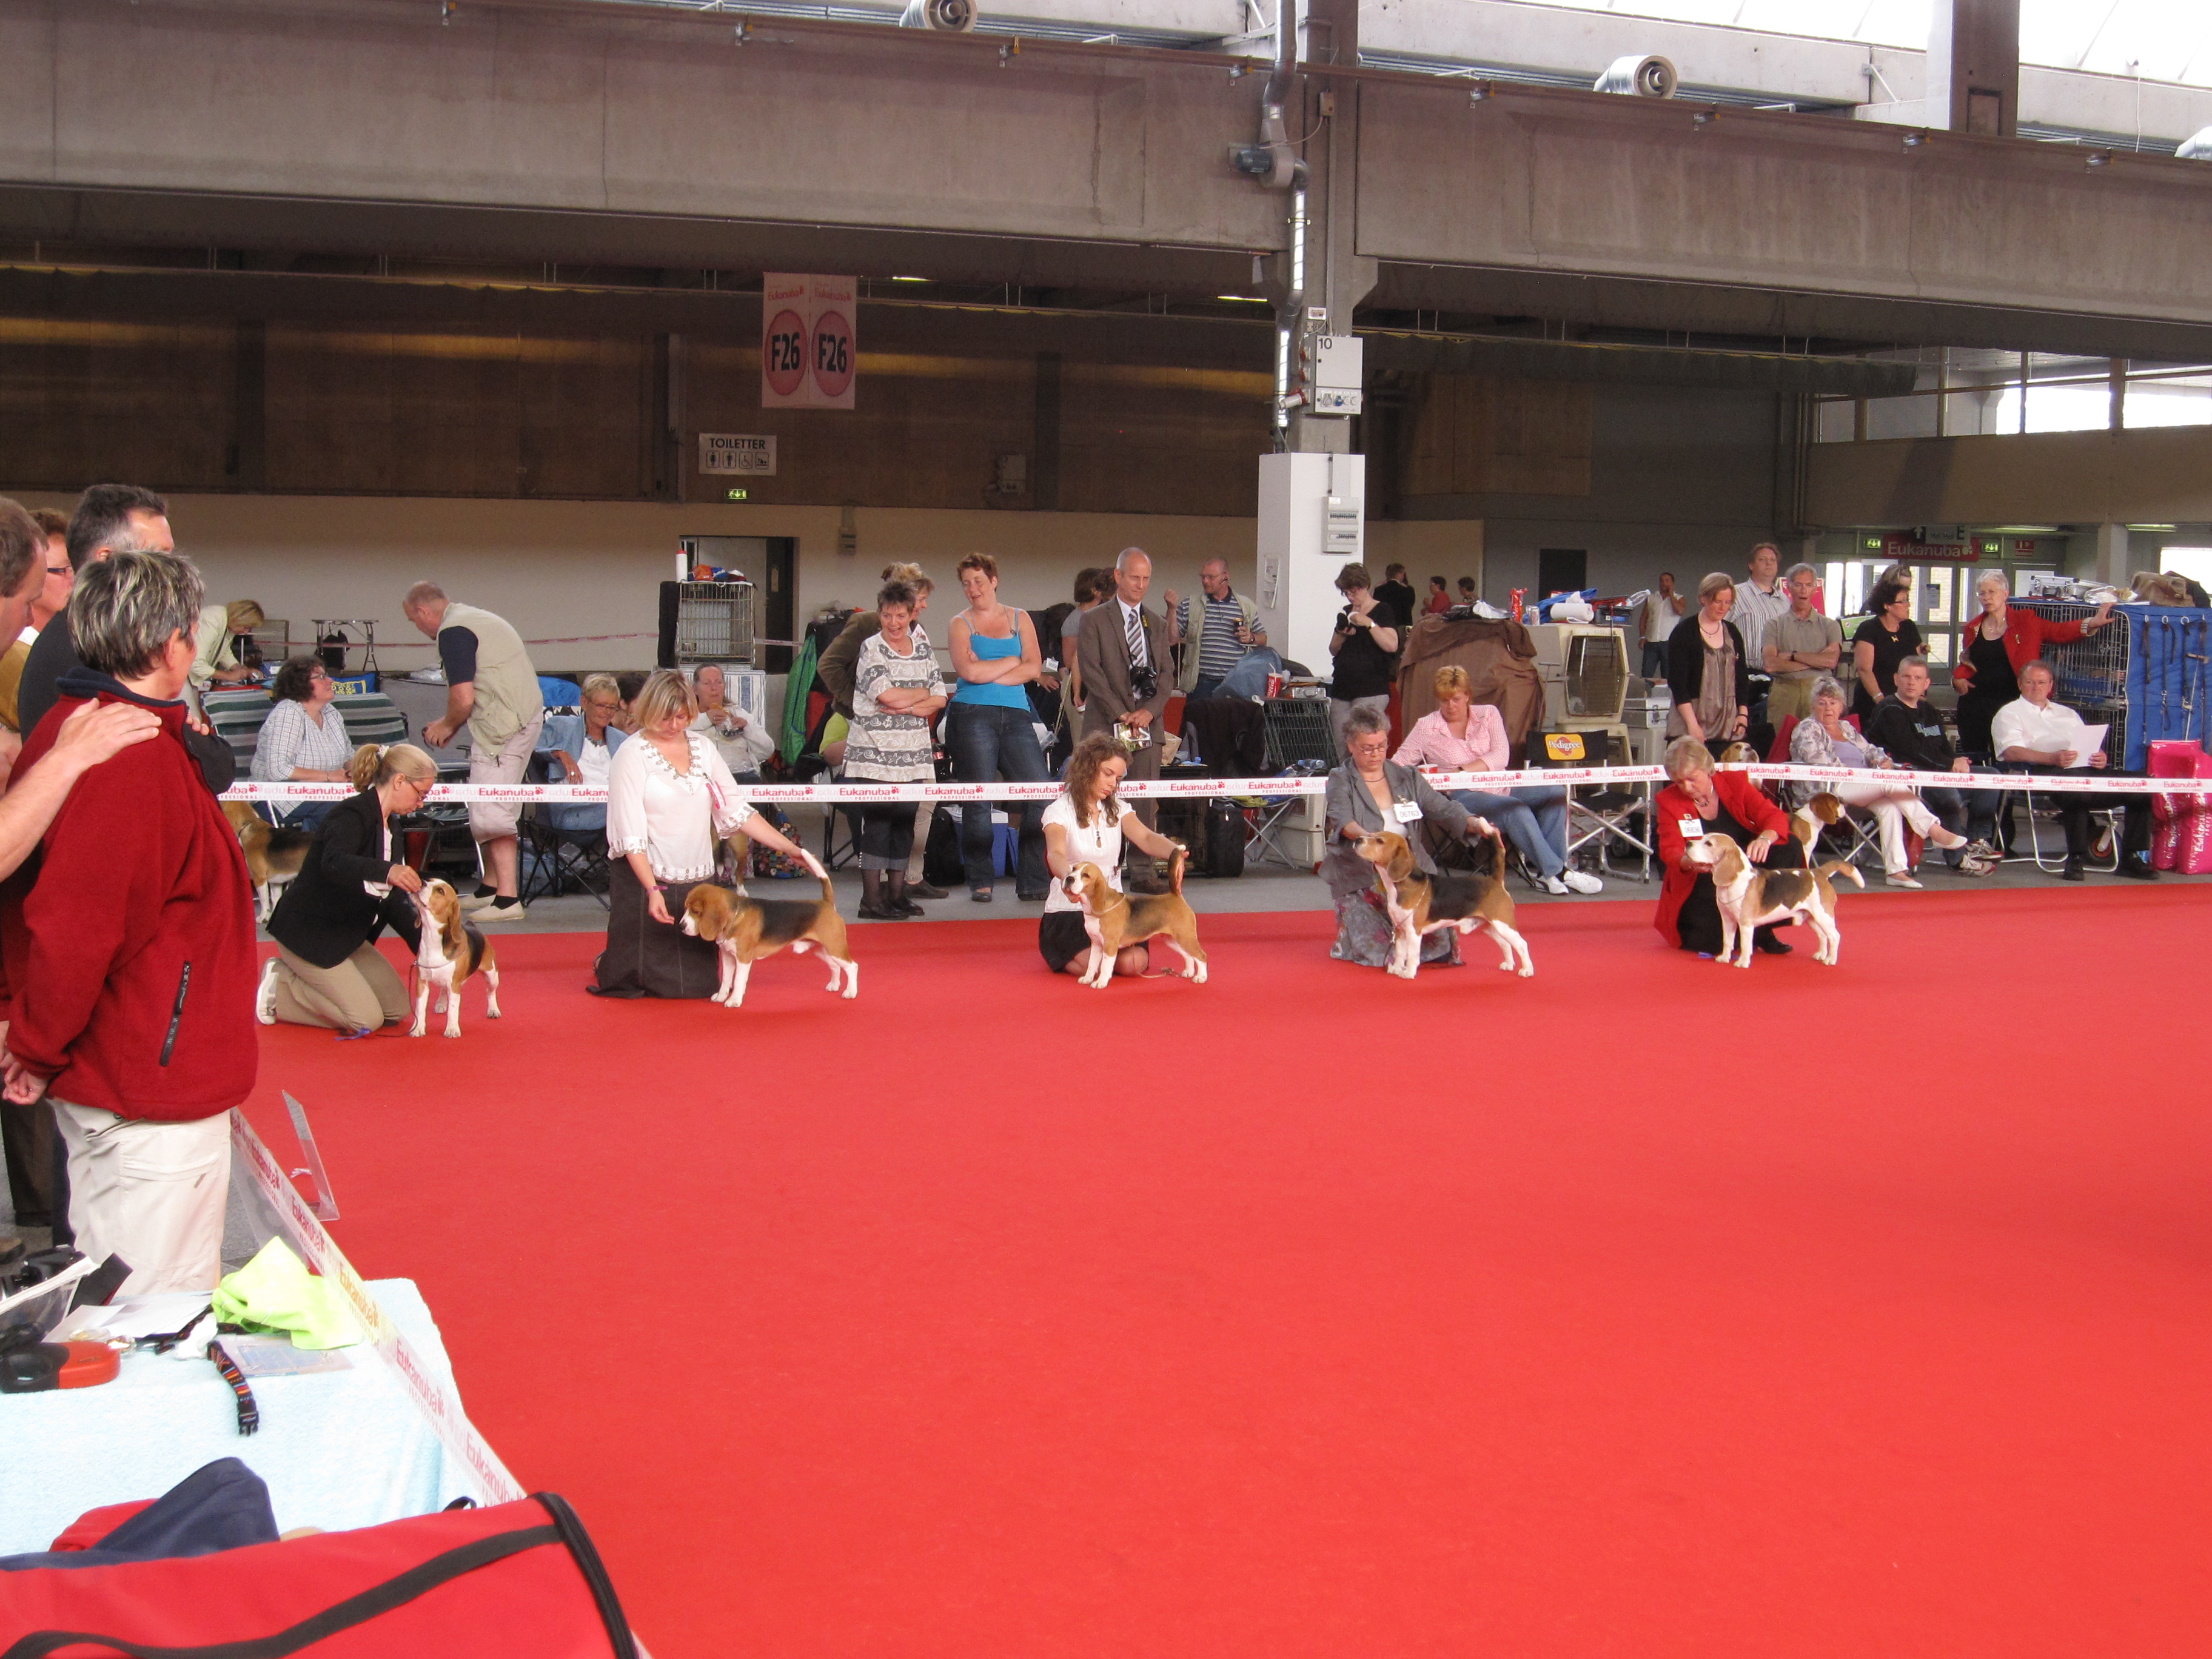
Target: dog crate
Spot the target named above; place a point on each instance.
(707, 621)
(2145, 675)
(1298, 730)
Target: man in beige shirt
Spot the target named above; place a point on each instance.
(1802, 645)
(492, 686)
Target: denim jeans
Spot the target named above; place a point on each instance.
(575, 815)
(986, 742)
(1533, 820)
(1969, 812)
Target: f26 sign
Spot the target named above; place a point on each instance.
(807, 349)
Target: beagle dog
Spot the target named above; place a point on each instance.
(1807, 822)
(1114, 919)
(273, 856)
(747, 929)
(1750, 896)
(452, 952)
(1463, 900)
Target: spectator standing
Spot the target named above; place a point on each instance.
(1093, 587)
(1397, 592)
(132, 957)
(52, 600)
(1802, 646)
(745, 744)
(1757, 602)
(1122, 648)
(582, 747)
(1226, 626)
(1366, 647)
(897, 693)
(1706, 672)
(492, 687)
(1439, 599)
(1662, 609)
(327, 970)
(304, 739)
(37, 1183)
(1883, 640)
(2034, 734)
(1467, 590)
(991, 730)
(838, 664)
(2001, 642)
(1911, 729)
(109, 518)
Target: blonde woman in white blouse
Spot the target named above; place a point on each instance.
(670, 795)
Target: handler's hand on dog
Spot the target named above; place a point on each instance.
(1761, 846)
(657, 908)
(406, 877)
(98, 731)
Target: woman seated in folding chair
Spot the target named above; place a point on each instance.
(582, 748)
(1824, 738)
(1470, 737)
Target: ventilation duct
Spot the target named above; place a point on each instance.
(1644, 77)
(952, 16)
(2197, 147)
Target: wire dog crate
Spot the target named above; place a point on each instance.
(2145, 675)
(707, 622)
(1298, 730)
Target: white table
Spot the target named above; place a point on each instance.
(339, 1450)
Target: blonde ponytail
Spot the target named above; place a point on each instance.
(373, 767)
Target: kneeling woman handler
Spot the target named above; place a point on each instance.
(327, 970)
(1703, 802)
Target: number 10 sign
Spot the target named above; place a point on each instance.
(807, 341)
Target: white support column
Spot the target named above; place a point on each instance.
(1297, 597)
(2112, 555)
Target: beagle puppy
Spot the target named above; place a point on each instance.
(1114, 919)
(1750, 896)
(273, 856)
(1463, 900)
(451, 953)
(747, 929)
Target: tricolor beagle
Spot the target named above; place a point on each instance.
(1750, 896)
(451, 953)
(273, 856)
(1114, 919)
(1462, 901)
(747, 929)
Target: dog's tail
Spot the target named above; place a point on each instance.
(284, 842)
(1497, 871)
(828, 893)
(1176, 859)
(1835, 867)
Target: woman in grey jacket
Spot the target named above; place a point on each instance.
(1366, 794)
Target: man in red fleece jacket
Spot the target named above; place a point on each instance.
(132, 951)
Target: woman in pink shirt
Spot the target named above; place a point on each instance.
(1466, 736)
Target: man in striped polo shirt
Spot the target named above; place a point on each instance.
(1225, 629)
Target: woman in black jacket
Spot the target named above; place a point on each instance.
(1706, 673)
(327, 970)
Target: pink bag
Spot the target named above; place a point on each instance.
(2181, 832)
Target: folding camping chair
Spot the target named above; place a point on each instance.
(1600, 815)
(559, 860)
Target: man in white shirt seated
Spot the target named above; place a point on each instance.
(2034, 734)
(581, 745)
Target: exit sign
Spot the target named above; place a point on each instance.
(738, 494)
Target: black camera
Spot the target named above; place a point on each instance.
(1144, 684)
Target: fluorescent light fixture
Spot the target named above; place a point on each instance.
(2024, 530)
(2160, 528)
(1242, 299)
(909, 279)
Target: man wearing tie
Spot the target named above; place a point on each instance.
(1122, 649)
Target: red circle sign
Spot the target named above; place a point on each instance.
(783, 353)
(833, 354)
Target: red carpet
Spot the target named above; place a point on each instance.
(1646, 1308)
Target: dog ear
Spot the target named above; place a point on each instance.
(1402, 857)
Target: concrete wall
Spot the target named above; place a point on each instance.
(1683, 481)
(2160, 475)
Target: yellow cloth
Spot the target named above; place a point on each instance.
(11, 677)
(276, 1292)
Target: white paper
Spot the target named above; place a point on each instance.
(2091, 741)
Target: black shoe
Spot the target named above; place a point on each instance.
(1037, 897)
(2073, 872)
(1771, 945)
(904, 905)
(882, 912)
(2138, 868)
(922, 889)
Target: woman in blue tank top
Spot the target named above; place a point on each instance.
(989, 730)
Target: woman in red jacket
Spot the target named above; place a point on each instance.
(1701, 802)
(1999, 645)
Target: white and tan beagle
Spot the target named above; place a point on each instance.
(747, 929)
(1463, 900)
(452, 952)
(1113, 920)
(1750, 896)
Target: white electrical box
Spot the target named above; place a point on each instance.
(1341, 526)
(1339, 368)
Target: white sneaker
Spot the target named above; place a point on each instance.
(485, 913)
(475, 901)
(264, 999)
(1553, 884)
(1583, 884)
